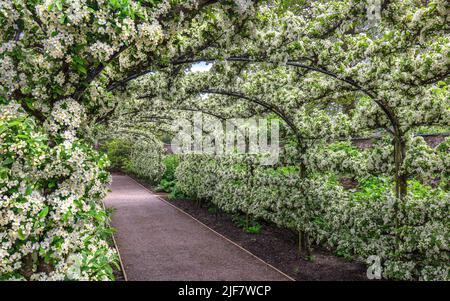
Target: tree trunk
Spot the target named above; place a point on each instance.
(303, 243)
(400, 177)
(401, 184)
(303, 237)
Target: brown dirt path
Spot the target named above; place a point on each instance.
(159, 242)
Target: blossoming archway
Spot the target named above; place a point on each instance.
(64, 64)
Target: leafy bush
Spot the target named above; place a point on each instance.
(145, 162)
(412, 240)
(168, 180)
(177, 193)
(118, 151)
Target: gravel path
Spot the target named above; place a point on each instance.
(159, 242)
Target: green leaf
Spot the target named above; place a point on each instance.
(441, 84)
(81, 69)
(43, 212)
(114, 3)
(14, 122)
(7, 161)
(58, 90)
(77, 49)
(79, 60)
(21, 235)
(63, 19)
(51, 184)
(29, 190)
(4, 172)
(59, 4)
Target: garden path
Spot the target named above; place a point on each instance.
(158, 241)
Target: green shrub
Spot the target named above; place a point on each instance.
(168, 180)
(146, 162)
(176, 193)
(118, 151)
(246, 223)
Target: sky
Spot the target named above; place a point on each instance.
(201, 67)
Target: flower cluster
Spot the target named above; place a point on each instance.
(50, 205)
(65, 119)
